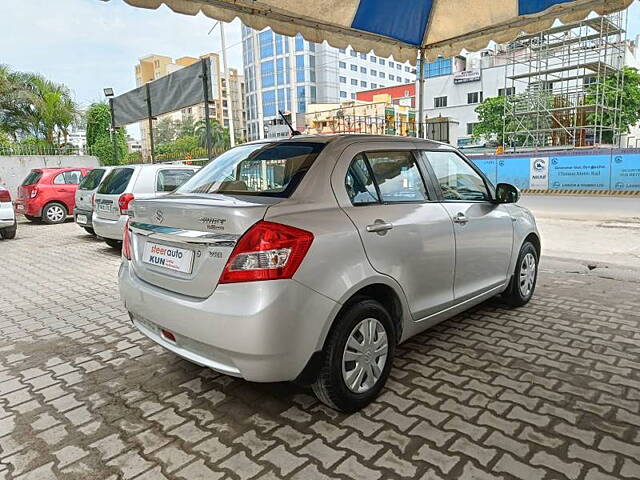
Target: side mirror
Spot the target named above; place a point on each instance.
(507, 193)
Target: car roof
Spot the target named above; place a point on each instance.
(354, 138)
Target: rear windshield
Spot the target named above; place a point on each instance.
(92, 180)
(116, 182)
(34, 176)
(169, 180)
(272, 169)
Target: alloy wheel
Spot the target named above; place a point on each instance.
(527, 274)
(365, 355)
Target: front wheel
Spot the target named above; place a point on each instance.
(525, 275)
(54, 213)
(357, 357)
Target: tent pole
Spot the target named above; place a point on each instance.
(205, 89)
(149, 113)
(421, 124)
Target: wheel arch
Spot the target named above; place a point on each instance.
(534, 239)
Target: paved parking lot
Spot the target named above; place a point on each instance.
(549, 391)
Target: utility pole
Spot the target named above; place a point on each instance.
(114, 134)
(421, 122)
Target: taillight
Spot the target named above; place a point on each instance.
(34, 192)
(123, 203)
(5, 196)
(126, 242)
(267, 251)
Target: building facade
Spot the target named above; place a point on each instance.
(289, 73)
(153, 67)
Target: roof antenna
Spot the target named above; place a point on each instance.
(293, 132)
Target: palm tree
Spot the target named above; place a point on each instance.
(219, 134)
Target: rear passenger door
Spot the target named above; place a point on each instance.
(65, 185)
(483, 229)
(406, 233)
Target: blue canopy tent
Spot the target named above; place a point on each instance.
(408, 30)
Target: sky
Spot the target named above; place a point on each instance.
(91, 44)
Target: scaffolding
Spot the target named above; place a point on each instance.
(563, 86)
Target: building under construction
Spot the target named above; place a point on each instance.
(564, 85)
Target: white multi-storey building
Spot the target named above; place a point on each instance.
(288, 73)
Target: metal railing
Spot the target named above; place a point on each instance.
(40, 150)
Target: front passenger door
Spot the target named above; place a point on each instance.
(483, 229)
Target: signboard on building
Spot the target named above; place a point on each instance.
(466, 76)
(539, 173)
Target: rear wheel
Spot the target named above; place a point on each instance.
(9, 232)
(357, 356)
(117, 244)
(54, 213)
(90, 231)
(525, 275)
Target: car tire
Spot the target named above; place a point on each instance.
(525, 275)
(31, 218)
(117, 244)
(54, 213)
(90, 231)
(9, 232)
(370, 371)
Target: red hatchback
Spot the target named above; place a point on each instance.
(49, 193)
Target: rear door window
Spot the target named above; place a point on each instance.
(34, 176)
(169, 180)
(116, 182)
(72, 177)
(92, 180)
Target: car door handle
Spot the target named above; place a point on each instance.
(460, 218)
(380, 227)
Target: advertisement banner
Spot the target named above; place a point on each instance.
(514, 171)
(489, 168)
(581, 172)
(539, 173)
(625, 172)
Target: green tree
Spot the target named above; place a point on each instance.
(607, 94)
(98, 119)
(219, 135)
(490, 120)
(164, 131)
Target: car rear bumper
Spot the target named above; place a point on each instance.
(260, 331)
(87, 213)
(7, 215)
(28, 208)
(106, 228)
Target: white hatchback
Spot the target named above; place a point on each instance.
(129, 182)
(8, 225)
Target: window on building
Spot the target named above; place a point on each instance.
(470, 127)
(363, 70)
(363, 83)
(406, 80)
(269, 103)
(374, 85)
(353, 96)
(474, 97)
(299, 43)
(506, 92)
(279, 39)
(353, 53)
(391, 77)
(391, 64)
(342, 64)
(381, 61)
(342, 50)
(439, 102)
(354, 81)
(374, 73)
(280, 71)
(382, 75)
(312, 68)
(363, 56)
(407, 69)
(343, 79)
(302, 100)
(282, 103)
(265, 39)
(267, 77)
(398, 66)
(300, 68)
(373, 58)
(343, 94)
(354, 68)
(441, 66)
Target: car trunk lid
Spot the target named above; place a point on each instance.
(182, 242)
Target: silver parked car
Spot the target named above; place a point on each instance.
(311, 258)
(8, 223)
(85, 197)
(124, 184)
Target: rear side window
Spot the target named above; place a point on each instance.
(396, 178)
(169, 180)
(92, 180)
(116, 182)
(267, 169)
(72, 177)
(34, 176)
